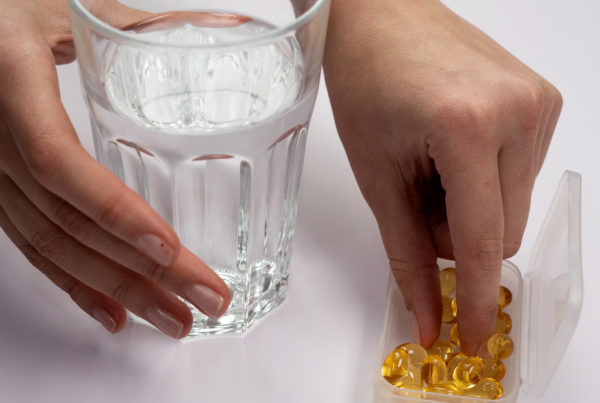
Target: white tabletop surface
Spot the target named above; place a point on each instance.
(320, 345)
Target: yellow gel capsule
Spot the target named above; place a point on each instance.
(486, 388)
(395, 366)
(503, 323)
(493, 369)
(443, 348)
(414, 375)
(504, 296)
(433, 369)
(448, 281)
(447, 315)
(447, 312)
(454, 307)
(467, 372)
(445, 387)
(412, 378)
(454, 335)
(416, 352)
(500, 346)
(454, 361)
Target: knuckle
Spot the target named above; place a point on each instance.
(72, 221)
(110, 211)
(154, 271)
(556, 97)
(50, 243)
(488, 252)
(121, 292)
(465, 112)
(72, 287)
(42, 158)
(530, 100)
(511, 248)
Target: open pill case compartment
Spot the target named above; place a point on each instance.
(545, 308)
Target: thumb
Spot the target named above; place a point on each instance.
(413, 260)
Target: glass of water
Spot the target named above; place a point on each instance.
(202, 107)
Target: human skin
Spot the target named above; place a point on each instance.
(444, 129)
(71, 217)
(445, 132)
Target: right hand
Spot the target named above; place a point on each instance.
(71, 217)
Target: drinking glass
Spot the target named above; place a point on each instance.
(202, 107)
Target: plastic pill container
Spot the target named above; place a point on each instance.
(545, 307)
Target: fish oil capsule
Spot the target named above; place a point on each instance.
(448, 281)
(486, 388)
(444, 387)
(443, 348)
(395, 366)
(503, 323)
(433, 369)
(454, 361)
(412, 378)
(416, 352)
(500, 346)
(504, 296)
(467, 372)
(453, 336)
(454, 307)
(447, 314)
(493, 368)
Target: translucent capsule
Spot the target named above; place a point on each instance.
(453, 336)
(503, 323)
(411, 380)
(416, 352)
(395, 366)
(500, 346)
(444, 387)
(443, 348)
(504, 296)
(454, 307)
(467, 372)
(454, 361)
(433, 369)
(414, 376)
(486, 388)
(447, 315)
(493, 368)
(448, 281)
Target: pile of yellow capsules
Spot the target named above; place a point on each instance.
(444, 369)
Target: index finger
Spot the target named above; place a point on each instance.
(476, 223)
(48, 143)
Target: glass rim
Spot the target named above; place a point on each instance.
(119, 35)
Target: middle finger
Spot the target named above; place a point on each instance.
(136, 293)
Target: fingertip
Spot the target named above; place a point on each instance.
(476, 326)
(429, 318)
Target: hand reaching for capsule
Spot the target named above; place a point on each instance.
(445, 132)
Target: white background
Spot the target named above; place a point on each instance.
(320, 345)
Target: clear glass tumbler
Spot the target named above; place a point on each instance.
(202, 107)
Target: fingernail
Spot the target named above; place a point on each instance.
(156, 248)
(166, 322)
(206, 299)
(414, 327)
(105, 319)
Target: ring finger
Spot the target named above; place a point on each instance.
(133, 291)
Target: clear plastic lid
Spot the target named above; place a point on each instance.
(553, 288)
